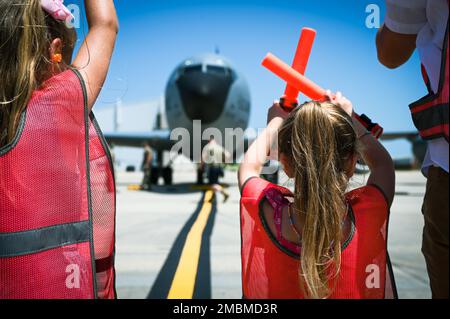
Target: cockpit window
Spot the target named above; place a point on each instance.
(218, 70)
(192, 68)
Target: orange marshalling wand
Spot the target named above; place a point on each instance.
(304, 47)
(297, 82)
(294, 78)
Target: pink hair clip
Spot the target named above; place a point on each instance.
(56, 9)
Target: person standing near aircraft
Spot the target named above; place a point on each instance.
(423, 25)
(147, 167)
(214, 157)
(57, 189)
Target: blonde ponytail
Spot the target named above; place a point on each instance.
(319, 138)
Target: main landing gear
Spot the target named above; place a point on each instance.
(160, 171)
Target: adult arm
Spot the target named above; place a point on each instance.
(394, 49)
(396, 39)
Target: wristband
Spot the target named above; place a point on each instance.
(374, 128)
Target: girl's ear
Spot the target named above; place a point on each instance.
(56, 47)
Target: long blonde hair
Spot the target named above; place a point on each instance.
(25, 36)
(319, 139)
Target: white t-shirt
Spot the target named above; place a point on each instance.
(428, 19)
(214, 154)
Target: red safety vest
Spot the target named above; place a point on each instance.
(57, 200)
(430, 114)
(270, 271)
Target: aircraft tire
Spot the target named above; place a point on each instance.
(168, 176)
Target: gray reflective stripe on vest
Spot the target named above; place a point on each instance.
(42, 239)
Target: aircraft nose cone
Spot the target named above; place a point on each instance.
(205, 90)
(204, 95)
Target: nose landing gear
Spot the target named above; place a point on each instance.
(159, 170)
(165, 172)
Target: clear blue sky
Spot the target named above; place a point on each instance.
(156, 35)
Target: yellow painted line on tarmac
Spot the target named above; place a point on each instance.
(183, 283)
(134, 187)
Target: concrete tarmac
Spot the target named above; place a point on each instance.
(153, 228)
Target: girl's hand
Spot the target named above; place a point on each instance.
(341, 101)
(276, 111)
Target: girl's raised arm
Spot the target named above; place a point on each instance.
(382, 170)
(257, 154)
(94, 57)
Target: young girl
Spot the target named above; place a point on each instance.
(57, 190)
(318, 242)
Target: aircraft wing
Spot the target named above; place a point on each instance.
(158, 140)
(410, 136)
